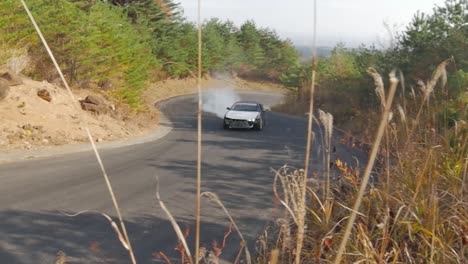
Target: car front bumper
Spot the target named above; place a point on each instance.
(239, 123)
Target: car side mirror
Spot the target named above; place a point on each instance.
(228, 108)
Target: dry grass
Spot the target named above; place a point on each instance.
(214, 198)
(204, 255)
(415, 210)
(370, 165)
(61, 258)
(174, 224)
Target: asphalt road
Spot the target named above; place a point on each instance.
(236, 166)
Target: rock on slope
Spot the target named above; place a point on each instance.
(38, 114)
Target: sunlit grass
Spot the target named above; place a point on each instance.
(414, 211)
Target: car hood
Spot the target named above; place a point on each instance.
(242, 115)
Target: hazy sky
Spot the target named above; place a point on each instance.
(349, 21)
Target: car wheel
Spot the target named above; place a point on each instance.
(259, 126)
(225, 126)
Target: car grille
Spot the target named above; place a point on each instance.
(240, 123)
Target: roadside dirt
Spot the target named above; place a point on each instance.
(174, 87)
(30, 122)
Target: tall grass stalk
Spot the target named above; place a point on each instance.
(274, 256)
(370, 165)
(403, 88)
(465, 172)
(288, 193)
(302, 208)
(111, 222)
(380, 91)
(463, 200)
(327, 122)
(440, 74)
(199, 137)
(435, 205)
(214, 198)
(84, 125)
(174, 224)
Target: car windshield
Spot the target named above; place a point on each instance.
(246, 107)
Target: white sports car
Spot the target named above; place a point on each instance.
(245, 114)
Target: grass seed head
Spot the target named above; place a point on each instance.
(440, 74)
(402, 113)
(379, 85)
(327, 121)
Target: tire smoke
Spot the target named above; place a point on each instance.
(215, 101)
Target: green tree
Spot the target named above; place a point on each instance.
(91, 42)
(280, 55)
(430, 39)
(213, 45)
(249, 38)
(233, 53)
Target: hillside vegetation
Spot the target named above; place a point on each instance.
(120, 46)
(345, 88)
(414, 208)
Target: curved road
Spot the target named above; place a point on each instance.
(236, 165)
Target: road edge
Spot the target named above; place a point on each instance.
(163, 129)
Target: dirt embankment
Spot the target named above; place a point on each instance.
(169, 88)
(36, 114)
(39, 114)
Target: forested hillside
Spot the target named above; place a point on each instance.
(123, 44)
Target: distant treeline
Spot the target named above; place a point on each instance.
(306, 51)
